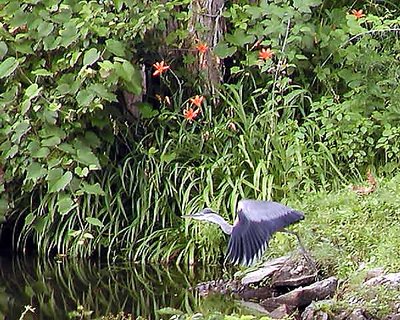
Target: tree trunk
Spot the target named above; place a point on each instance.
(207, 26)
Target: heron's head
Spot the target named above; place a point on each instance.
(206, 214)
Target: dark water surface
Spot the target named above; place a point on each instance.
(67, 289)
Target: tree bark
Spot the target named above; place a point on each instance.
(207, 26)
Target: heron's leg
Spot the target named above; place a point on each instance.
(303, 250)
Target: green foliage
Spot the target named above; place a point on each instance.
(62, 65)
(348, 233)
(80, 176)
(378, 301)
(353, 94)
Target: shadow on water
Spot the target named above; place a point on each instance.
(67, 288)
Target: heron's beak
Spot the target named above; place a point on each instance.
(192, 216)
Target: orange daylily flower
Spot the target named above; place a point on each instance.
(190, 114)
(357, 13)
(265, 54)
(160, 67)
(197, 100)
(202, 47)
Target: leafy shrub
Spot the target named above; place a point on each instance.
(62, 67)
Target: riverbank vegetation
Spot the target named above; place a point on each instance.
(117, 117)
(348, 235)
(307, 102)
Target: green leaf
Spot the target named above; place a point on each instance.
(8, 96)
(222, 50)
(8, 66)
(65, 204)
(3, 49)
(103, 92)
(91, 139)
(88, 235)
(35, 171)
(92, 189)
(81, 172)
(116, 47)
(90, 57)
(67, 148)
(255, 12)
(61, 183)
(94, 221)
(19, 18)
(42, 72)
(74, 233)
(69, 34)
(54, 106)
(87, 157)
(168, 157)
(84, 97)
(40, 223)
(25, 106)
(11, 152)
(40, 153)
(239, 38)
(32, 91)
(20, 129)
(29, 219)
(146, 110)
(3, 209)
(354, 25)
(304, 6)
(301, 57)
(44, 29)
(130, 75)
(24, 47)
(50, 131)
(51, 142)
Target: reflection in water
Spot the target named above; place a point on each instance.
(57, 289)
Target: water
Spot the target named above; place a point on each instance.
(68, 289)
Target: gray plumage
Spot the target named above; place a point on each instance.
(255, 223)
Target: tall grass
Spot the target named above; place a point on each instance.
(262, 136)
(236, 151)
(248, 146)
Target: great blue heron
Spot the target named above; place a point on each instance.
(255, 223)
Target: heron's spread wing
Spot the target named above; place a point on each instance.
(257, 221)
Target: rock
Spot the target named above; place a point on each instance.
(263, 292)
(296, 272)
(218, 286)
(357, 314)
(283, 311)
(270, 304)
(302, 297)
(286, 271)
(268, 269)
(393, 317)
(278, 312)
(294, 281)
(342, 315)
(253, 306)
(390, 280)
(312, 311)
(310, 314)
(373, 273)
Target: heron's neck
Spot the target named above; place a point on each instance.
(225, 226)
